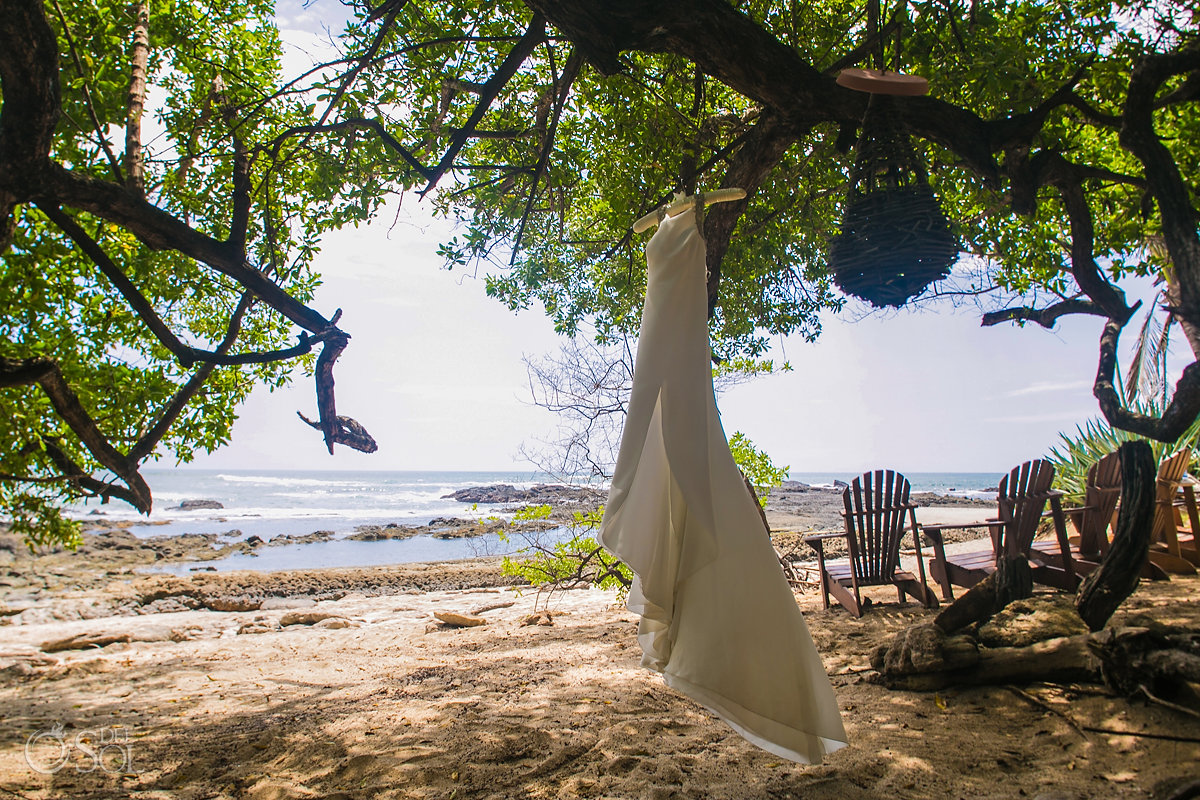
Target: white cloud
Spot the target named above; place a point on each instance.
(1051, 386)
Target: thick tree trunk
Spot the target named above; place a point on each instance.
(1014, 579)
(1117, 576)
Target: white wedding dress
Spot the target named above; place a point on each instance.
(718, 618)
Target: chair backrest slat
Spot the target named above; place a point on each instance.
(1020, 502)
(875, 505)
(1170, 476)
(1100, 500)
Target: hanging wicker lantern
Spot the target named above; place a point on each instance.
(894, 240)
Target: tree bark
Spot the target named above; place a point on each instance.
(977, 604)
(134, 167)
(1117, 576)
(1014, 579)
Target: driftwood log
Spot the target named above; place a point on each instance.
(991, 635)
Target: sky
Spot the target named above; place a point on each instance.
(435, 368)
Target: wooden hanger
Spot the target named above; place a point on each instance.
(682, 202)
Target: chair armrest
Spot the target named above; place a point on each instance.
(1072, 511)
(817, 542)
(943, 526)
(822, 536)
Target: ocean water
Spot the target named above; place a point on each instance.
(271, 503)
(958, 484)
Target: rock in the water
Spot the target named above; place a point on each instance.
(197, 505)
(85, 641)
(304, 617)
(542, 493)
(458, 620)
(1037, 619)
(448, 522)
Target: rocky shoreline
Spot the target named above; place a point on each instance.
(107, 574)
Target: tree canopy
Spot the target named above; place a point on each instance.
(150, 281)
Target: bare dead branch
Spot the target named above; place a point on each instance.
(346, 431)
(336, 430)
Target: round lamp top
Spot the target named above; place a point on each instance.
(882, 82)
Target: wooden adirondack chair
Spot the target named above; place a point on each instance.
(1020, 503)
(1166, 549)
(876, 507)
(1188, 544)
(1092, 521)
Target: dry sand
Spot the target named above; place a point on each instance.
(214, 694)
(383, 702)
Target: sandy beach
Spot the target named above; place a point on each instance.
(341, 683)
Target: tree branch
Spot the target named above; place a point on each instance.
(1176, 417)
(105, 490)
(392, 9)
(570, 72)
(760, 152)
(137, 97)
(46, 373)
(1084, 268)
(186, 354)
(534, 35)
(1162, 172)
(87, 93)
(145, 445)
(1046, 317)
(239, 220)
(163, 231)
(29, 84)
(336, 430)
(356, 122)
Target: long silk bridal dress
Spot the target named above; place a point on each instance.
(718, 618)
